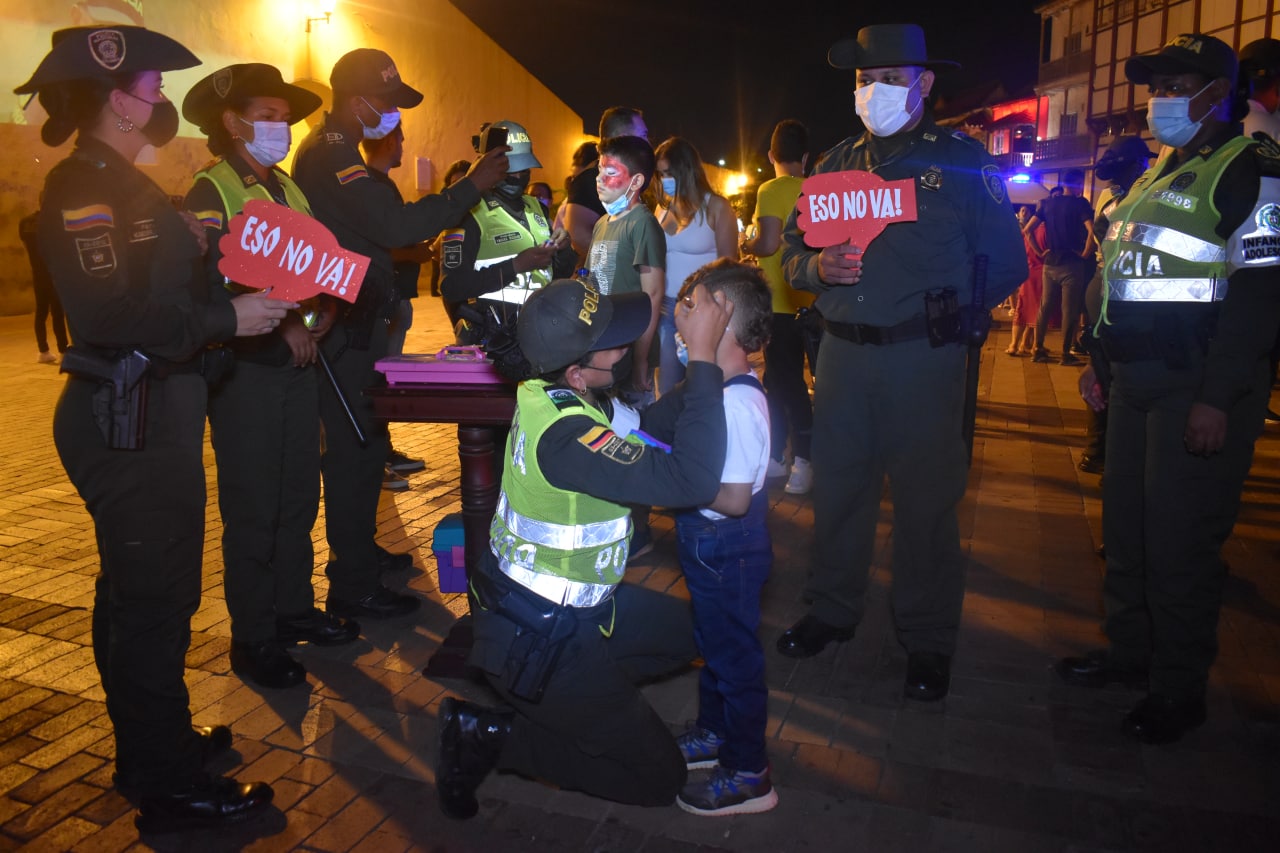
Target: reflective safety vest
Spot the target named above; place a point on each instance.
(231, 188)
(502, 237)
(1161, 245)
(568, 547)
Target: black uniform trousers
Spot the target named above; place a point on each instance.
(790, 411)
(895, 411)
(1165, 515)
(148, 512)
(352, 474)
(593, 730)
(265, 422)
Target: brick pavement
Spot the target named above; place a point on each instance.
(1012, 760)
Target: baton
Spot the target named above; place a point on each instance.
(342, 398)
(974, 360)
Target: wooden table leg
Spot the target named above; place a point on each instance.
(476, 448)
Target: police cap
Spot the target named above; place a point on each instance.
(204, 104)
(520, 157)
(81, 53)
(567, 319)
(367, 71)
(1189, 53)
(1260, 58)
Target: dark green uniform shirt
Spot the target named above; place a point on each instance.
(963, 211)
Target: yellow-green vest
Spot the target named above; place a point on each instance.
(234, 193)
(1161, 245)
(502, 237)
(567, 546)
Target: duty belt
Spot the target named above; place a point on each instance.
(563, 537)
(860, 333)
(1166, 289)
(557, 590)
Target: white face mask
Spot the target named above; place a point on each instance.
(271, 141)
(883, 107)
(1170, 120)
(387, 122)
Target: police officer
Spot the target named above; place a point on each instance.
(891, 398)
(1190, 311)
(503, 249)
(127, 267)
(366, 217)
(265, 415)
(556, 633)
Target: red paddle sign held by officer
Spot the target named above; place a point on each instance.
(842, 212)
(268, 245)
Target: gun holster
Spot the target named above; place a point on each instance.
(942, 317)
(542, 631)
(120, 401)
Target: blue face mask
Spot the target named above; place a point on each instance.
(682, 351)
(669, 186)
(618, 206)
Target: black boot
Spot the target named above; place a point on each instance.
(470, 741)
(209, 802)
(266, 664)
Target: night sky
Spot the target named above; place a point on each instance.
(721, 73)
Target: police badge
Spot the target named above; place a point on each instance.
(222, 83)
(107, 48)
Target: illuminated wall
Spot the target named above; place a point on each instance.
(466, 77)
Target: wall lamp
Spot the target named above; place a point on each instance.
(326, 11)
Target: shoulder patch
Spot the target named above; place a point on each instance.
(84, 218)
(333, 138)
(993, 182)
(610, 445)
(351, 173)
(564, 398)
(1266, 153)
(210, 218)
(97, 255)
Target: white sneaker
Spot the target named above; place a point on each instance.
(47, 357)
(776, 469)
(801, 479)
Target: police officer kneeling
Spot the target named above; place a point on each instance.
(1190, 311)
(559, 638)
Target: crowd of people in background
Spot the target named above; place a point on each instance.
(631, 323)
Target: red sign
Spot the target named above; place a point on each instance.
(268, 245)
(854, 206)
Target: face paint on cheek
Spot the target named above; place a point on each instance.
(614, 175)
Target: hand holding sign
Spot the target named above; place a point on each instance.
(854, 206)
(268, 245)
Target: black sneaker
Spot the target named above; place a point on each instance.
(393, 482)
(382, 603)
(1070, 360)
(404, 464)
(729, 792)
(700, 748)
(1041, 356)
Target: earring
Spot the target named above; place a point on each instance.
(122, 121)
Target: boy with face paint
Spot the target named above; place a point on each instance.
(628, 250)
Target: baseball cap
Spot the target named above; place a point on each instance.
(1193, 53)
(368, 71)
(568, 318)
(80, 53)
(204, 104)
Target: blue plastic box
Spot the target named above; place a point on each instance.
(447, 543)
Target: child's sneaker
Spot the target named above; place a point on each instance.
(727, 792)
(700, 748)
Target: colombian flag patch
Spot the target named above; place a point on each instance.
(210, 218)
(596, 438)
(455, 235)
(352, 173)
(84, 218)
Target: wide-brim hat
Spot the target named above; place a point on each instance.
(204, 104)
(520, 157)
(1260, 58)
(1192, 53)
(368, 71)
(81, 53)
(567, 319)
(885, 46)
(1127, 148)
